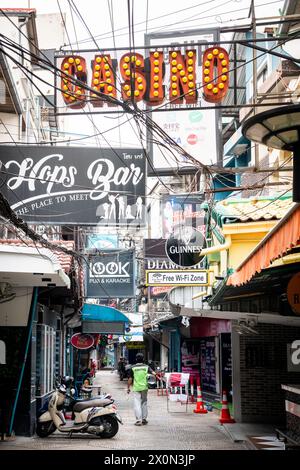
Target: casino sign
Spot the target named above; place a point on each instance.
(149, 79)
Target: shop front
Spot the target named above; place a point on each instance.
(207, 355)
(30, 341)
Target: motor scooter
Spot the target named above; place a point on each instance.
(97, 416)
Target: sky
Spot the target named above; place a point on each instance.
(149, 16)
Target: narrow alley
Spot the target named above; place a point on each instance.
(173, 430)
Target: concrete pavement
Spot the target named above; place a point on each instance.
(175, 430)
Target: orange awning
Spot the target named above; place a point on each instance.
(282, 238)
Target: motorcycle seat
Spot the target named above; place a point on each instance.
(83, 405)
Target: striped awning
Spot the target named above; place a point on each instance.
(282, 238)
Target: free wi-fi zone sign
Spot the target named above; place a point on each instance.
(174, 277)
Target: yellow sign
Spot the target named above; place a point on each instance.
(174, 277)
(135, 345)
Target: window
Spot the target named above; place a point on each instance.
(262, 76)
(45, 359)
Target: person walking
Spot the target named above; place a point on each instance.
(138, 378)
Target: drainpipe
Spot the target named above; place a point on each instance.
(29, 335)
(20, 37)
(216, 248)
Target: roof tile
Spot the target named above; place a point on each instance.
(257, 208)
(64, 259)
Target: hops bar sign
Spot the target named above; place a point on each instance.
(60, 185)
(174, 76)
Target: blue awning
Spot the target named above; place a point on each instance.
(103, 313)
(103, 319)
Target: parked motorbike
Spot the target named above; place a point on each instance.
(97, 416)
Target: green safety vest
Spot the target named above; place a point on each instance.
(140, 377)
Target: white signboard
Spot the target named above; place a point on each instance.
(177, 278)
(195, 130)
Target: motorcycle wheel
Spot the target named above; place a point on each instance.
(45, 429)
(111, 427)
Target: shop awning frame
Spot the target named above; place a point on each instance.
(102, 313)
(283, 237)
(103, 319)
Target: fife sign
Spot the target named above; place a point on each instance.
(111, 275)
(177, 278)
(82, 341)
(84, 186)
(172, 75)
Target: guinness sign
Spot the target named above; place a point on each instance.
(185, 245)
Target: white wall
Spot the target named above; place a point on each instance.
(16, 311)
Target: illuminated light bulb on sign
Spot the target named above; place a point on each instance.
(183, 70)
(217, 74)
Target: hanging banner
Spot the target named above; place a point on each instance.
(82, 186)
(182, 209)
(101, 242)
(111, 275)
